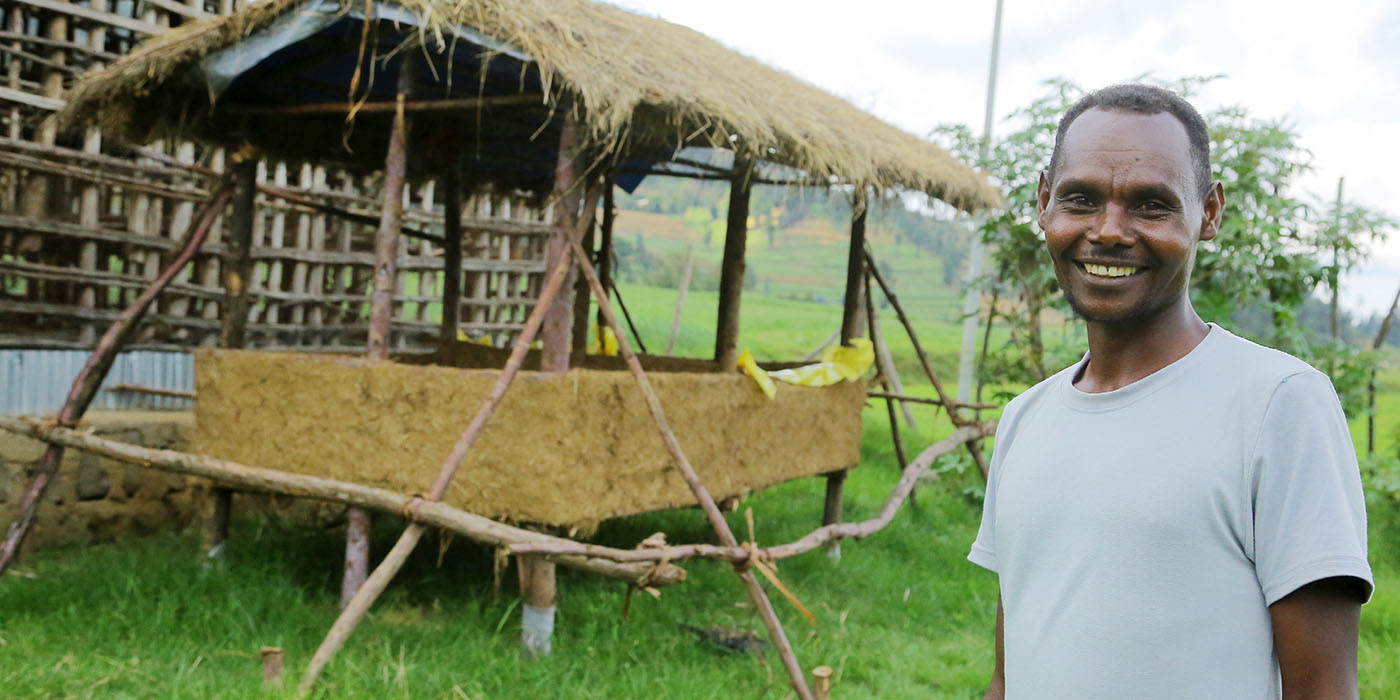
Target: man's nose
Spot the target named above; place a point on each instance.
(1114, 228)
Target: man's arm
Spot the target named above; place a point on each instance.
(996, 690)
(1315, 636)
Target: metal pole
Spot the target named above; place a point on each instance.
(971, 303)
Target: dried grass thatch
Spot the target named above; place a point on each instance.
(633, 79)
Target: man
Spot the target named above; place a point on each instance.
(1179, 515)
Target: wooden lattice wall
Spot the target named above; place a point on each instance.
(85, 223)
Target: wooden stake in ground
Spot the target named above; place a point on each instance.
(386, 255)
(682, 288)
(702, 495)
(90, 378)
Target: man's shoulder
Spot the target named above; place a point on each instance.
(1242, 364)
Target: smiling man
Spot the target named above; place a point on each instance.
(1179, 515)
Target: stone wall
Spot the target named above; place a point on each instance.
(95, 499)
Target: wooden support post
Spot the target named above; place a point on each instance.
(605, 240)
(537, 592)
(855, 272)
(238, 263)
(537, 585)
(386, 253)
(556, 335)
(850, 328)
(731, 272)
(581, 302)
(451, 254)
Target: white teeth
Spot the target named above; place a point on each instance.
(1109, 270)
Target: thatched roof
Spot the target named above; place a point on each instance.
(641, 87)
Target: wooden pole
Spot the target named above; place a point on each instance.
(386, 254)
(451, 254)
(581, 299)
(702, 495)
(90, 377)
(821, 681)
(621, 304)
(233, 327)
(850, 328)
(683, 287)
(948, 403)
(731, 273)
(855, 270)
(556, 335)
(884, 369)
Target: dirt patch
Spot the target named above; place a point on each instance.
(568, 450)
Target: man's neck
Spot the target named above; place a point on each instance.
(1120, 354)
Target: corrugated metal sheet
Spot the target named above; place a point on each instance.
(37, 381)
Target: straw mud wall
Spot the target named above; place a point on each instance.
(568, 450)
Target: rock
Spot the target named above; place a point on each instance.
(91, 484)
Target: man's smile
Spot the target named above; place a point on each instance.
(1109, 271)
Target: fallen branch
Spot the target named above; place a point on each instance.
(806, 544)
(244, 477)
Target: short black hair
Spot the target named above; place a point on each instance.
(1145, 99)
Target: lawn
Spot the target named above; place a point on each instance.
(902, 616)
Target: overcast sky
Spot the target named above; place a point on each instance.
(1331, 68)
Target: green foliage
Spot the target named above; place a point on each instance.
(1261, 253)
(1021, 270)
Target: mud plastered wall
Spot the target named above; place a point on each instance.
(95, 499)
(568, 450)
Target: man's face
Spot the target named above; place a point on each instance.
(1123, 215)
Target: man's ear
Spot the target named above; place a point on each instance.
(1042, 199)
(1213, 211)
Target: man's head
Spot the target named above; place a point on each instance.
(1144, 99)
(1126, 200)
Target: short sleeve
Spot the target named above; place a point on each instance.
(984, 548)
(1309, 511)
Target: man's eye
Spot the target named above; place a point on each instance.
(1078, 200)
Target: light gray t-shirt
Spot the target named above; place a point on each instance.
(1141, 534)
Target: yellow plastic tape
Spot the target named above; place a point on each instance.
(483, 340)
(604, 341)
(751, 368)
(837, 363)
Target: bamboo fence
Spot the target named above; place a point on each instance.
(85, 223)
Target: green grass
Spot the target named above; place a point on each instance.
(902, 616)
